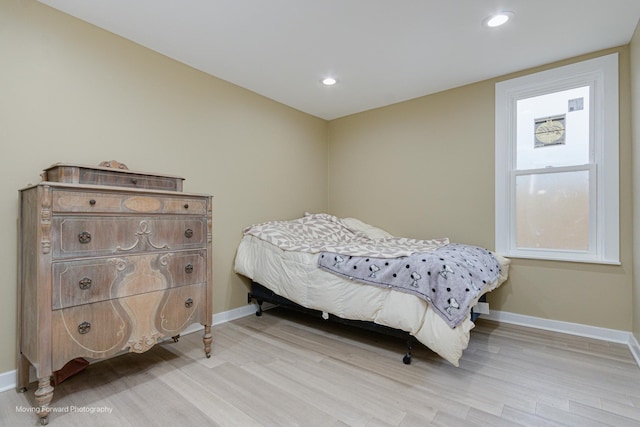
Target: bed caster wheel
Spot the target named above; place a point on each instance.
(259, 311)
(208, 355)
(22, 390)
(44, 421)
(176, 338)
(407, 356)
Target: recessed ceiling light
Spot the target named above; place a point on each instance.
(329, 81)
(498, 19)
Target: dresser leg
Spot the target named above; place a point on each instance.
(208, 339)
(43, 395)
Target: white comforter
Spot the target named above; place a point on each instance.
(294, 274)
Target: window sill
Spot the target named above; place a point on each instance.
(559, 258)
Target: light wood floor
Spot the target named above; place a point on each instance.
(286, 370)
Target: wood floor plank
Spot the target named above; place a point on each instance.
(349, 405)
(412, 419)
(623, 408)
(485, 419)
(215, 407)
(269, 404)
(602, 415)
(528, 419)
(444, 419)
(566, 417)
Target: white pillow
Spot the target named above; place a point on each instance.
(369, 230)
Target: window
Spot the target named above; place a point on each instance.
(557, 164)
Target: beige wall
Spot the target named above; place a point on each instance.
(425, 168)
(422, 168)
(70, 92)
(635, 108)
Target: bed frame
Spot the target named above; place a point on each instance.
(261, 294)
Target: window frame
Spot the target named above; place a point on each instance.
(601, 75)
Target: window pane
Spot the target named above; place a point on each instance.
(553, 129)
(552, 211)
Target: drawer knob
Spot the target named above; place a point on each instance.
(189, 269)
(92, 202)
(186, 205)
(134, 181)
(84, 327)
(188, 303)
(188, 233)
(84, 237)
(85, 283)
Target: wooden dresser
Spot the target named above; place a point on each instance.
(109, 260)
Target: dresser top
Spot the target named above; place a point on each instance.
(110, 173)
(112, 166)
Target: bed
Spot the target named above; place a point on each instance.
(349, 270)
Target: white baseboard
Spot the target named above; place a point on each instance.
(635, 348)
(611, 335)
(237, 313)
(8, 379)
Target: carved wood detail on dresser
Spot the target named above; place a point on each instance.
(109, 260)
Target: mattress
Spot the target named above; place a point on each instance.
(295, 275)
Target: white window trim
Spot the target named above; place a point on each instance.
(602, 75)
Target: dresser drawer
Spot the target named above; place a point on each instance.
(97, 236)
(181, 307)
(89, 175)
(104, 328)
(100, 279)
(93, 330)
(113, 202)
(98, 177)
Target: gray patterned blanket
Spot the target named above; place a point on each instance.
(315, 233)
(450, 278)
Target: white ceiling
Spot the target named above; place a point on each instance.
(381, 51)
